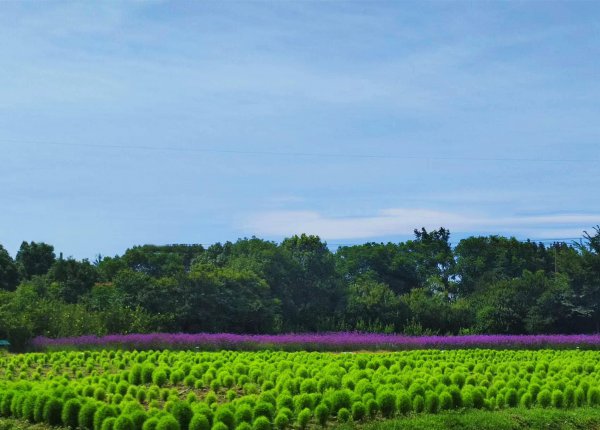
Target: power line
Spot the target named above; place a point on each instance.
(301, 154)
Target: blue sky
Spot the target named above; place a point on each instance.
(125, 123)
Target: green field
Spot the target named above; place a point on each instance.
(150, 390)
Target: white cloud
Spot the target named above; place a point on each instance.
(402, 221)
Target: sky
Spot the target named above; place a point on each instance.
(126, 123)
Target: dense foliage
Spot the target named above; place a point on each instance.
(421, 286)
(150, 390)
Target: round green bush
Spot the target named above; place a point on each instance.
(511, 398)
(359, 411)
(109, 423)
(218, 425)
(224, 415)
(124, 422)
(70, 413)
(303, 418)
(445, 401)
(321, 414)
(138, 417)
(261, 423)
(526, 400)
(86, 416)
(244, 426)
(159, 377)
(387, 404)
(343, 415)
(28, 408)
(418, 404)
(557, 399)
(579, 397)
(182, 413)
(167, 422)
(372, 408)
(53, 411)
(544, 398)
(151, 423)
(593, 396)
(243, 413)
(340, 399)
(264, 409)
(200, 422)
(38, 409)
(432, 402)
(101, 414)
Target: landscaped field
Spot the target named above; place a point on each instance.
(170, 390)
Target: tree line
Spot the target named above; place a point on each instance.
(485, 284)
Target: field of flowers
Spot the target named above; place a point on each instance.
(233, 390)
(315, 341)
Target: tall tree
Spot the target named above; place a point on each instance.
(35, 259)
(9, 272)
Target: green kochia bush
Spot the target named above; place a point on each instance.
(92, 390)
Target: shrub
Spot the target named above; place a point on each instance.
(109, 423)
(244, 426)
(593, 396)
(243, 413)
(579, 397)
(151, 423)
(200, 422)
(264, 409)
(139, 418)
(86, 416)
(340, 399)
(53, 411)
(225, 416)
(372, 408)
(124, 422)
(343, 415)
(557, 399)
(387, 404)
(183, 414)
(159, 377)
(101, 414)
(511, 398)
(281, 421)
(544, 398)
(321, 414)
(432, 402)
(70, 413)
(167, 422)
(261, 423)
(38, 409)
(359, 411)
(218, 425)
(403, 403)
(445, 401)
(418, 404)
(28, 407)
(304, 418)
(526, 400)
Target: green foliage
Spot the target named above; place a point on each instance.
(167, 422)
(53, 411)
(322, 414)
(200, 422)
(261, 423)
(124, 422)
(359, 411)
(304, 417)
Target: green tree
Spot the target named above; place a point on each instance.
(35, 259)
(9, 272)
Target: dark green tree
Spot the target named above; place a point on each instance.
(9, 272)
(35, 259)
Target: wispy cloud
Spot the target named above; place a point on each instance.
(402, 221)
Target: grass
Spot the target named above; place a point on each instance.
(508, 419)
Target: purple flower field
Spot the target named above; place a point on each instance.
(316, 342)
